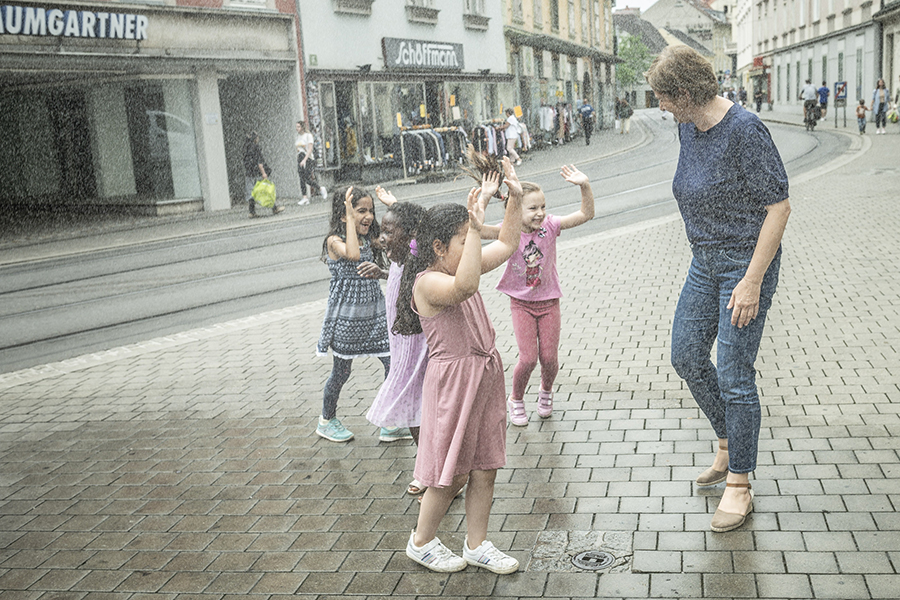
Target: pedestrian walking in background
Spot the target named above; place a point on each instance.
(736, 250)
(742, 96)
(309, 185)
(512, 131)
(881, 98)
(758, 98)
(397, 409)
(824, 92)
(355, 322)
(624, 113)
(532, 283)
(587, 120)
(463, 435)
(255, 169)
(861, 116)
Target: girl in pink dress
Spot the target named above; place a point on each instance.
(532, 284)
(463, 430)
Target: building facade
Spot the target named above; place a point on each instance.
(143, 107)
(820, 40)
(699, 21)
(888, 17)
(561, 52)
(378, 69)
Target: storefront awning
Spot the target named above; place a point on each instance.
(542, 41)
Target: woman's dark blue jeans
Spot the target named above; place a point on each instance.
(726, 392)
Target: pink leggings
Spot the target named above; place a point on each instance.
(536, 325)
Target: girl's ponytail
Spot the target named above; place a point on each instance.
(441, 223)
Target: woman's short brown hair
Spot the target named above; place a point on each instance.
(679, 69)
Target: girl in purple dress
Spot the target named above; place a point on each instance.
(398, 406)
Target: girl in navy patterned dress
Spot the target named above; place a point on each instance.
(355, 321)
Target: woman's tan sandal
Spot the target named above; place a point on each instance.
(712, 476)
(725, 521)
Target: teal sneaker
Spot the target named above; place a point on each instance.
(333, 430)
(393, 434)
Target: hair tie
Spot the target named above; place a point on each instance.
(413, 248)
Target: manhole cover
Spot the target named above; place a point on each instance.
(593, 560)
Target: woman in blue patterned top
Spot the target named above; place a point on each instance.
(732, 191)
(355, 322)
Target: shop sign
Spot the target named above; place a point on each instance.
(421, 54)
(30, 20)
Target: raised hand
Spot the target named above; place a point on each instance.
(490, 183)
(476, 209)
(573, 175)
(385, 196)
(348, 205)
(510, 179)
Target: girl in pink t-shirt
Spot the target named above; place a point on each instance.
(532, 284)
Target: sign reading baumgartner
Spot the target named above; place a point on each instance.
(421, 54)
(30, 20)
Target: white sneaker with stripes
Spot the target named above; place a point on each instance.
(434, 555)
(488, 557)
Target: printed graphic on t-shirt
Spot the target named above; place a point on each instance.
(533, 260)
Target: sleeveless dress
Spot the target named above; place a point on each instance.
(355, 322)
(399, 401)
(463, 397)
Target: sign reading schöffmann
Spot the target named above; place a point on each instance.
(421, 54)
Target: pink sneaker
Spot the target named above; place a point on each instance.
(545, 404)
(517, 414)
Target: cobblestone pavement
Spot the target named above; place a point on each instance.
(187, 467)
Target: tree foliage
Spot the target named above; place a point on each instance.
(636, 57)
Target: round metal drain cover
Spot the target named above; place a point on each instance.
(593, 560)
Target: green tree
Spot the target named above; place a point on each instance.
(636, 57)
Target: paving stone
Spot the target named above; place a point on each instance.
(810, 562)
(883, 586)
(843, 586)
(672, 585)
(783, 586)
(648, 561)
(729, 586)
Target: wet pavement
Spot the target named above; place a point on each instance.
(187, 466)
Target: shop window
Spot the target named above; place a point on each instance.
(353, 7)
(163, 144)
(389, 104)
(554, 67)
(466, 99)
(422, 11)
